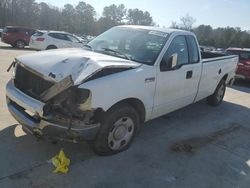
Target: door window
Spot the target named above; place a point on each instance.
(73, 39)
(60, 36)
(178, 46)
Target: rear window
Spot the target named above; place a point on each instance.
(10, 30)
(18, 30)
(38, 34)
(193, 50)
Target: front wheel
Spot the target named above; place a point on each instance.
(117, 131)
(218, 95)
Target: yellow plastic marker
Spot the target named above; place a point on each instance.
(61, 162)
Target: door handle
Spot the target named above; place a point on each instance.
(151, 79)
(189, 74)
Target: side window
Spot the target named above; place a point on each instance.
(73, 39)
(59, 36)
(193, 49)
(178, 46)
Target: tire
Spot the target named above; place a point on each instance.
(216, 98)
(51, 47)
(20, 44)
(118, 128)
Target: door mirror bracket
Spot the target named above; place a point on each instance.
(171, 64)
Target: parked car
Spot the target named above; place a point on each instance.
(18, 37)
(207, 48)
(243, 67)
(121, 79)
(219, 51)
(46, 40)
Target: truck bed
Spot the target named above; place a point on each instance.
(214, 66)
(208, 55)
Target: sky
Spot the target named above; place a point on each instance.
(217, 13)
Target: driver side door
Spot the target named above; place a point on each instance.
(176, 86)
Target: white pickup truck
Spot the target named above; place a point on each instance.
(121, 79)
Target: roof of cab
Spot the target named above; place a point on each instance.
(153, 28)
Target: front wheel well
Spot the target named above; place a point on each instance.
(225, 77)
(136, 104)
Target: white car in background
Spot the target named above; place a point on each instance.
(46, 40)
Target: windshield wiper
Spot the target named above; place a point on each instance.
(116, 52)
(88, 46)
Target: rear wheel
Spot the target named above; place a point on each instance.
(117, 131)
(217, 97)
(20, 44)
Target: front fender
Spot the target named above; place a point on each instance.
(109, 90)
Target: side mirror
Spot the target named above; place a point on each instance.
(170, 64)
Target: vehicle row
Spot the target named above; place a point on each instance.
(20, 37)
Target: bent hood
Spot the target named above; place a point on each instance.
(79, 63)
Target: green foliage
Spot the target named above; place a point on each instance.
(139, 17)
(82, 19)
(222, 37)
(79, 19)
(114, 13)
(219, 37)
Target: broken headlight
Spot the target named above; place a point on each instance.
(69, 101)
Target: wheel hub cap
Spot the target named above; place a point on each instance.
(121, 133)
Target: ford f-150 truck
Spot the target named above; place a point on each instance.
(126, 76)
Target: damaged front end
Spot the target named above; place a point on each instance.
(58, 110)
(44, 97)
(69, 106)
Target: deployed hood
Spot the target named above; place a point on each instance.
(79, 63)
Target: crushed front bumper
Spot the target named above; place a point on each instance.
(19, 104)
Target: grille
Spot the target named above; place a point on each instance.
(30, 83)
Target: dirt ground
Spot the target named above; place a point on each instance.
(198, 146)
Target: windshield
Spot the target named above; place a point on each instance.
(139, 45)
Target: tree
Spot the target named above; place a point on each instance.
(114, 13)
(205, 34)
(187, 22)
(138, 17)
(85, 18)
(68, 15)
(174, 25)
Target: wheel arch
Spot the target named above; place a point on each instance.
(137, 104)
(225, 77)
(51, 45)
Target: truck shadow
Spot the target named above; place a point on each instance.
(23, 153)
(12, 48)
